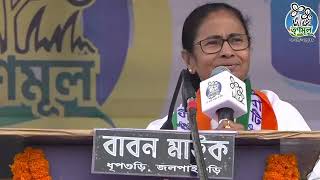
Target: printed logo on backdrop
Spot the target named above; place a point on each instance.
(287, 51)
(47, 66)
(213, 89)
(301, 23)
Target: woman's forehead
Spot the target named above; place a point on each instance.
(220, 23)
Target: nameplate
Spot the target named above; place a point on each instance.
(161, 153)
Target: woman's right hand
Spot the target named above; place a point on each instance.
(229, 125)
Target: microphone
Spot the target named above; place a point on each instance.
(190, 105)
(223, 94)
(188, 92)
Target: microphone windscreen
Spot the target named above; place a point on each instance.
(218, 70)
(221, 90)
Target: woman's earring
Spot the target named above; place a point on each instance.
(190, 70)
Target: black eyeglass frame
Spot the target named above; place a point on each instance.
(224, 40)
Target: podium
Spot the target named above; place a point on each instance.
(69, 152)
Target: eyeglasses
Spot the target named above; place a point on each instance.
(214, 44)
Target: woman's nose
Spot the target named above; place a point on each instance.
(226, 50)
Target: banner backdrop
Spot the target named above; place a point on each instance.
(95, 63)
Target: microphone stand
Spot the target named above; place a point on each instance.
(192, 110)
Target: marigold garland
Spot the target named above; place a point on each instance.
(30, 165)
(281, 167)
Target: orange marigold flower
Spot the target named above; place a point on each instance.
(45, 178)
(30, 165)
(22, 176)
(281, 167)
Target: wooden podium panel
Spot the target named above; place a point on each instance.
(69, 152)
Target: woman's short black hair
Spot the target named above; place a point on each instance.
(196, 18)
